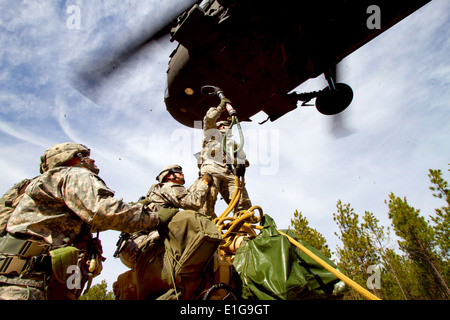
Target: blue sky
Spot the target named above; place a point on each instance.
(399, 117)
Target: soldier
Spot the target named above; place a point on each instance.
(49, 251)
(215, 161)
(170, 191)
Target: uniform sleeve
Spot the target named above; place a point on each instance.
(89, 198)
(179, 197)
(210, 119)
(195, 197)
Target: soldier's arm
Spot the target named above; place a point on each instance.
(195, 197)
(210, 119)
(177, 196)
(89, 198)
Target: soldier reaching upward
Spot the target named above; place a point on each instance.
(218, 163)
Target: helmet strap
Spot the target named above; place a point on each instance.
(86, 165)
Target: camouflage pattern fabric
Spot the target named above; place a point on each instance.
(212, 151)
(13, 292)
(223, 183)
(166, 194)
(175, 195)
(59, 207)
(61, 200)
(216, 162)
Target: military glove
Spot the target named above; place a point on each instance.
(223, 102)
(145, 201)
(165, 215)
(240, 170)
(208, 178)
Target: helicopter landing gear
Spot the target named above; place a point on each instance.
(332, 100)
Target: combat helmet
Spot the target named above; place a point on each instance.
(167, 170)
(60, 154)
(222, 123)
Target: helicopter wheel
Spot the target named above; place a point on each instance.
(218, 286)
(330, 102)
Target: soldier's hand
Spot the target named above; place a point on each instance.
(208, 178)
(240, 170)
(165, 215)
(145, 201)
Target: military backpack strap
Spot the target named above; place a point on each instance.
(9, 201)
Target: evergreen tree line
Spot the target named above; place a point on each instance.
(416, 269)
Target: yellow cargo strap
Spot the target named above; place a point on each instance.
(337, 273)
(234, 200)
(241, 222)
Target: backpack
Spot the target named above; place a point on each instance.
(177, 264)
(9, 201)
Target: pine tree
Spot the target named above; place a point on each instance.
(358, 252)
(418, 242)
(380, 240)
(442, 218)
(304, 232)
(408, 273)
(98, 292)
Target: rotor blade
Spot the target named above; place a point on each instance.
(90, 77)
(339, 126)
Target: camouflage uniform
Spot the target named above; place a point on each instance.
(165, 194)
(59, 209)
(215, 161)
(68, 198)
(175, 195)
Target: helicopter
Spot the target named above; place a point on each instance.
(258, 52)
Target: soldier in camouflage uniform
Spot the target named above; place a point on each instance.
(50, 230)
(216, 162)
(170, 191)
